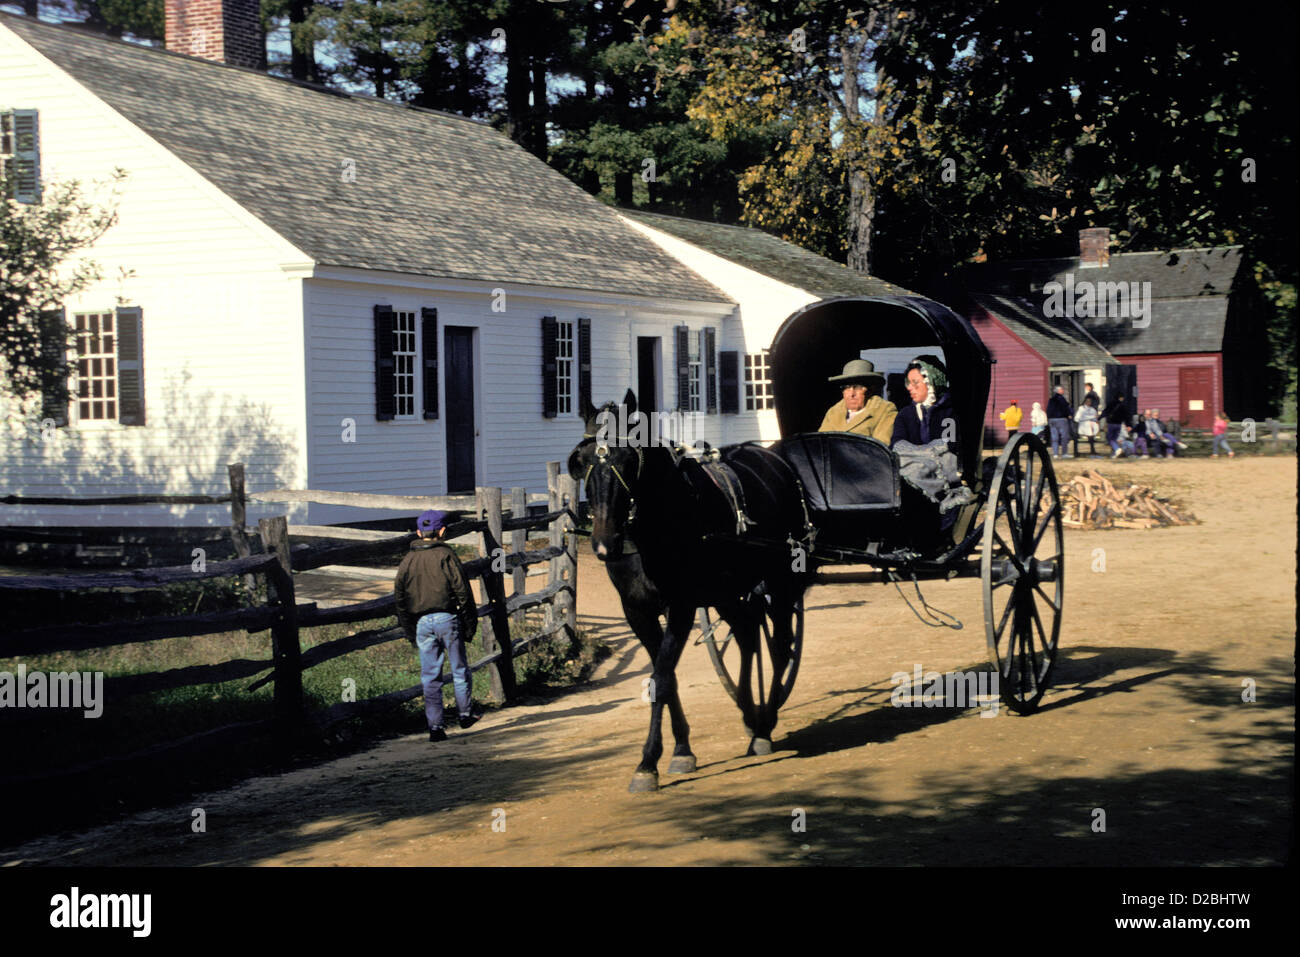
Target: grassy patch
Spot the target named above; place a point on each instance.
(45, 740)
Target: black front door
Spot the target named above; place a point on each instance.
(647, 373)
(459, 360)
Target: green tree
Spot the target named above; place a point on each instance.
(40, 269)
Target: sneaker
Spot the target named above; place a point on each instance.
(437, 734)
(467, 720)
(1232, 455)
(1145, 455)
(1067, 456)
(1117, 453)
(1181, 445)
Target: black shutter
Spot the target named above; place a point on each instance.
(385, 381)
(550, 401)
(429, 335)
(54, 373)
(680, 334)
(710, 350)
(130, 366)
(584, 362)
(729, 368)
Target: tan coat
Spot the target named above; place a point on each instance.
(875, 420)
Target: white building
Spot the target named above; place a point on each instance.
(351, 294)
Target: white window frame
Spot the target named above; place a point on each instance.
(81, 338)
(566, 343)
(405, 358)
(695, 372)
(758, 382)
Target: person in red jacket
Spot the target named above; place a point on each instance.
(437, 610)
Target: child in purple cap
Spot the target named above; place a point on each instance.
(436, 609)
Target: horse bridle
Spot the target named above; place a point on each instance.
(602, 458)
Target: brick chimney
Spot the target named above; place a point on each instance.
(228, 31)
(1094, 247)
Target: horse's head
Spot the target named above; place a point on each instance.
(611, 467)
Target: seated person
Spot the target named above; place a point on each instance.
(861, 409)
(925, 438)
(930, 415)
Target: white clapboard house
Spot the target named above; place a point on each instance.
(350, 294)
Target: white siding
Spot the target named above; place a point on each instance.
(515, 441)
(763, 304)
(223, 354)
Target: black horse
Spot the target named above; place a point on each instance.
(675, 538)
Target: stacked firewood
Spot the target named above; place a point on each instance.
(1089, 500)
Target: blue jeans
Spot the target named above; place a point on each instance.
(1220, 442)
(1060, 435)
(1112, 435)
(437, 634)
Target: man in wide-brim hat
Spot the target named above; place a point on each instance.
(861, 408)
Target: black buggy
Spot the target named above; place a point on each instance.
(860, 512)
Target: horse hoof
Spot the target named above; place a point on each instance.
(760, 746)
(644, 781)
(681, 764)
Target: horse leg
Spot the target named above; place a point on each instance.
(663, 688)
(778, 647)
(645, 623)
(744, 626)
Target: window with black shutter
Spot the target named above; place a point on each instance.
(710, 370)
(681, 337)
(20, 154)
(729, 373)
(385, 382)
(584, 363)
(429, 341)
(54, 374)
(130, 365)
(550, 336)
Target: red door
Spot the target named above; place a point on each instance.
(1196, 397)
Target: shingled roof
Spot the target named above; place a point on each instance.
(771, 256)
(1190, 290)
(1058, 340)
(435, 194)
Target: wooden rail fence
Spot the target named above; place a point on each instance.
(284, 616)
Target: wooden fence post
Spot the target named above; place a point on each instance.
(1273, 425)
(569, 499)
(554, 535)
(518, 543)
(239, 520)
(496, 627)
(285, 648)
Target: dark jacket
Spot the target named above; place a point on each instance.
(431, 579)
(1093, 399)
(1116, 413)
(1058, 407)
(908, 427)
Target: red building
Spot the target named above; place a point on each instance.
(1178, 330)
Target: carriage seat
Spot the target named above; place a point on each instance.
(843, 471)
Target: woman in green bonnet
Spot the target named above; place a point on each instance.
(930, 415)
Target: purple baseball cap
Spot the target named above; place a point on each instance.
(431, 521)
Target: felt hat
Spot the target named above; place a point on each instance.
(858, 370)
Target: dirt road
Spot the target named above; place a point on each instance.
(1146, 727)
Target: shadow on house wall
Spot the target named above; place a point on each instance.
(189, 439)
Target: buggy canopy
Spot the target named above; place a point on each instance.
(814, 343)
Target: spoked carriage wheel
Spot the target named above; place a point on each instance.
(724, 651)
(1023, 571)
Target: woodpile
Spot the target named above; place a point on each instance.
(1089, 500)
